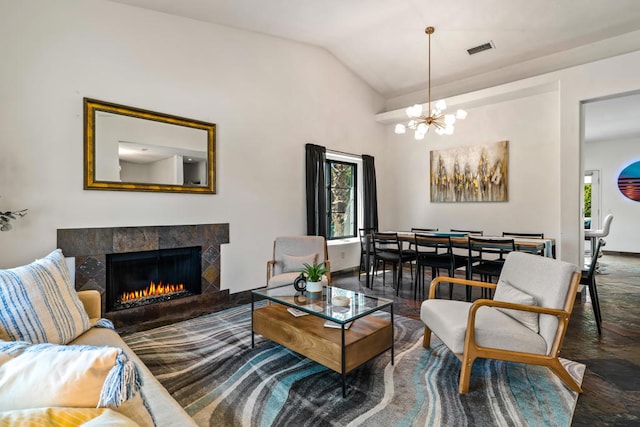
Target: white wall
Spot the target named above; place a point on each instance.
(610, 158)
(268, 97)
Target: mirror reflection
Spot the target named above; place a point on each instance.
(132, 149)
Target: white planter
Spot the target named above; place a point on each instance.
(314, 287)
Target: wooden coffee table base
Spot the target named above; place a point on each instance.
(337, 349)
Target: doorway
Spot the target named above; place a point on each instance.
(592, 208)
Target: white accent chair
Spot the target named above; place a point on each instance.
(290, 253)
(526, 320)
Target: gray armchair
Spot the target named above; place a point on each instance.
(290, 253)
(525, 322)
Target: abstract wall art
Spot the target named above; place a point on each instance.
(476, 173)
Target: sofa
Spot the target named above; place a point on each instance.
(163, 408)
(60, 361)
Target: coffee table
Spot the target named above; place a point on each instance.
(357, 335)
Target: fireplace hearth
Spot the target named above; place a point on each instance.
(91, 246)
(150, 277)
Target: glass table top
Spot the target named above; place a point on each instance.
(323, 304)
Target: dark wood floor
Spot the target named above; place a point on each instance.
(611, 383)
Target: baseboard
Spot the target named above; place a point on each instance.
(616, 253)
(346, 272)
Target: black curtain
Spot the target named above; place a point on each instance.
(316, 191)
(370, 192)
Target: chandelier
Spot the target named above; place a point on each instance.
(421, 123)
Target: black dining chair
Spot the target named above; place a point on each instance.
(412, 249)
(434, 252)
(486, 258)
(458, 254)
(365, 236)
(588, 279)
(388, 250)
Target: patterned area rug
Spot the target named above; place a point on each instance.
(208, 365)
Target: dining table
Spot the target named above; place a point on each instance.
(545, 246)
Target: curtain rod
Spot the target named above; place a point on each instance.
(343, 153)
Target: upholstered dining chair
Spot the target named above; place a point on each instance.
(290, 253)
(525, 322)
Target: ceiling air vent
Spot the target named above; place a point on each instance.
(480, 48)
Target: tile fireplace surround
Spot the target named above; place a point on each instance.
(90, 246)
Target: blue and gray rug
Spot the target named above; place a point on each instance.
(208, 365)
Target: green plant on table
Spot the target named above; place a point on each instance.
(7, 217)
(314, 272)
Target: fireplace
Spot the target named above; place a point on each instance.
(91, 246)
(147, 277)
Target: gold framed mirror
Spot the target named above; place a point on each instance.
(131, 149)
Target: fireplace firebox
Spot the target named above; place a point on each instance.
(135, 279)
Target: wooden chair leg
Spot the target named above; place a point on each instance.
(465, 374)
(565, 376)
(426, 340)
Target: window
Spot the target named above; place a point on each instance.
(342, 205)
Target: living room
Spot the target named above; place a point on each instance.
(268, 97)
(294, 94)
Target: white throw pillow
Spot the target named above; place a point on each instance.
(39, 304)
(43, 375)
(509, 293)
(293, 264)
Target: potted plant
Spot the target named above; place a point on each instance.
(7, 217)
(313, 273)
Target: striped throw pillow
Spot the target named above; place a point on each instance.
(39, 304)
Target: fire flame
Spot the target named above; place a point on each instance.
(152, 290)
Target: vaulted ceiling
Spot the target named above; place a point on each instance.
(383, 41)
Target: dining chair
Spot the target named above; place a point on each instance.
(486, 258)
(388, 250)
(465, 252)
(412, 249)
(434, 252)
(366, 246)
(588, 279)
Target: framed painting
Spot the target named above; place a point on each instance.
(476, 173)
